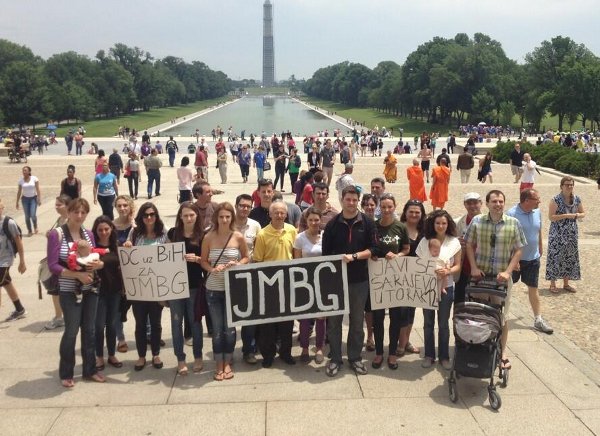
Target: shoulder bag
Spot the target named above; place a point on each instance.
(200, 305)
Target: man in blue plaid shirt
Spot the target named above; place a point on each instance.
(494, 242)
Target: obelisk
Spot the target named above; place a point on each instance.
(268, 78)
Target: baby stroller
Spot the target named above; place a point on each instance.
(477, 331)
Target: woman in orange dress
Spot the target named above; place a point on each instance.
(390, 172)
(439, 187)
(416, 184)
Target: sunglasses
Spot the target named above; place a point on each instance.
(149, 215)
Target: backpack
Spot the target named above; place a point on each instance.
(9, 235)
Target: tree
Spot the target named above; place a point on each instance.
(22, 93)
(548, 68)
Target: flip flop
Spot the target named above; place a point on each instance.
(506, 364)
(570, 289)
(218, 376)
(410, 348)
(228, 375)
(68, 383)
(553, 289)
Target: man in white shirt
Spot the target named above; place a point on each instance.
(249, 228)
(529, 169)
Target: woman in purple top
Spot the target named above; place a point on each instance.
(78, 313)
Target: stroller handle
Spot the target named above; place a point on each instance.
(487, 285)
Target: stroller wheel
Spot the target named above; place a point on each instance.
(452, 391)
(495, 401)
(504, 376)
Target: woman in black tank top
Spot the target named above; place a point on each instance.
(71, 186)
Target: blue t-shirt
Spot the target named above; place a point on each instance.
(106, 184)
(259, 159)
(531, 222)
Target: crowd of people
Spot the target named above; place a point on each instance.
(260, 227)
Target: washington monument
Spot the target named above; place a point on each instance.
(268, 78)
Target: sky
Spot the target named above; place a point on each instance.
(308, 34)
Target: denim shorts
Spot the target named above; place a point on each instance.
(529, 272)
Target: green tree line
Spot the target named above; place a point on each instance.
(71, 86)
(460, 80)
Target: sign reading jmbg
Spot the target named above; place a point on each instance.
(266, 292)
(155, 272)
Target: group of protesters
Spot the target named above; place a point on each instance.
(261, 227)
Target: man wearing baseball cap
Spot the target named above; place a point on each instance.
(472, 203)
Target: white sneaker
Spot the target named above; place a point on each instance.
(542, 326)
(54, 323)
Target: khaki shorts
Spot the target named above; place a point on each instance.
(516, 170)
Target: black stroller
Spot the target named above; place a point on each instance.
(477, 331)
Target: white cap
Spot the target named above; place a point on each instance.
(471, 196)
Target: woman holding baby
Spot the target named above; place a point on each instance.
(78, 313)
(445, 250)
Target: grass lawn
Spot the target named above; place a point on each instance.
(412, 127)
(370, 117)
(137, 120)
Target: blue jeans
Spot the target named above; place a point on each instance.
(249, 339)
(171, 157)
(77, 316)
(178, 308)
(153, 175)
(107, 316)
(260, 173)
(357, 293)
(30, 210)
(223, 337)
(443, 315)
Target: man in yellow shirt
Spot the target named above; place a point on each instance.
(275, 242)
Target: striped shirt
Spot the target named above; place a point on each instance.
(68, 284)
(216, 280)
(496, 242)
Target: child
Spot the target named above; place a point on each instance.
(81, 254)
(435, 247)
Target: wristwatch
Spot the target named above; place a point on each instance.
(355, 256)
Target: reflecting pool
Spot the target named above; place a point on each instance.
(257, 115)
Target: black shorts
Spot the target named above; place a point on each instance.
(529, 272)
(5, 276)
(425, 165)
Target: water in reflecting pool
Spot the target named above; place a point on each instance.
(260, 114)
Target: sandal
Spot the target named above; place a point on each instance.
(505, 364)
(98, 378)
(410, 348)
(198, 365)
(218, 376)
(182, 370)
(68, 383)
(112, 361)
(228, 375)
(370, 345)
(570, 289)
(553, 289)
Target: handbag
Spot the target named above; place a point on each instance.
(267, 166)
(45, 276)
(200, 304)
